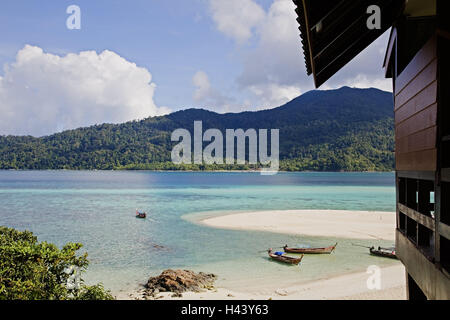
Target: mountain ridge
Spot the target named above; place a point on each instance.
(345, 129)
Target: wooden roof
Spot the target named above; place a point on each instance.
(333, 32)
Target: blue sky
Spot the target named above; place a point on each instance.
(162, 36)
(222, 55)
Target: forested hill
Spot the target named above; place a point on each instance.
(345, 129)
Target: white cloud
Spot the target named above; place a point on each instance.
(41, 93)
(360, 81)
(202, 84)
(236, 18)
(211, 98)
(207, 95)
(272, 94)
(274, 70)
(365, 70)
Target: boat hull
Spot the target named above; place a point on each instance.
(141, 215)
(383, 254)
(326, 250)
(285, 259)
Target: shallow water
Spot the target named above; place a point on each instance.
(97, 209)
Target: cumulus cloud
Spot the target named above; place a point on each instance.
(365, 70)
(274, 70)
(237, 18)
(273, 94)
(41, 93)
(206, 94)
(202, 84)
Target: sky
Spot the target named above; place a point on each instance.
(140, 58)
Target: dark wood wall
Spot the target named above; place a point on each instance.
(416, 112)
(422, 148)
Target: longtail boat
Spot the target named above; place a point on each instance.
(141, 215)
(328, 250)
(279, 256)
(383, 252)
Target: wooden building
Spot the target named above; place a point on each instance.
(417, 59)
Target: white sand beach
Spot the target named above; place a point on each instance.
(325, 223)
(351, 286)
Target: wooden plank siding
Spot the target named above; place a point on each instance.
(421, 81)
(419, 121)
(422, 100)
(422, 160)
(415, 99)
(417, 141)
(419, 62)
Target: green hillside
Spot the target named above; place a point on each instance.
(345, 129)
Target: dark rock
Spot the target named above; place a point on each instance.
(178, 281)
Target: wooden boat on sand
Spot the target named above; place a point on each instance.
(325, 250)
(280, 256)
(383, 252)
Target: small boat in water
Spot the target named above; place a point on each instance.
(383, 252)
(280, 256)
(324, 250)
(141, 215)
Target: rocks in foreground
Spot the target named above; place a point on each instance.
(179, 281)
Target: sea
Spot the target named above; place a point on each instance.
(97, 209)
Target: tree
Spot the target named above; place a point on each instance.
(32, 270)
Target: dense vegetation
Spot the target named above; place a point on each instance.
(345, 129)
(32, 270)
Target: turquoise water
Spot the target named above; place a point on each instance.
(97, 209)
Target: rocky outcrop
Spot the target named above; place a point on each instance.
(179, 281)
